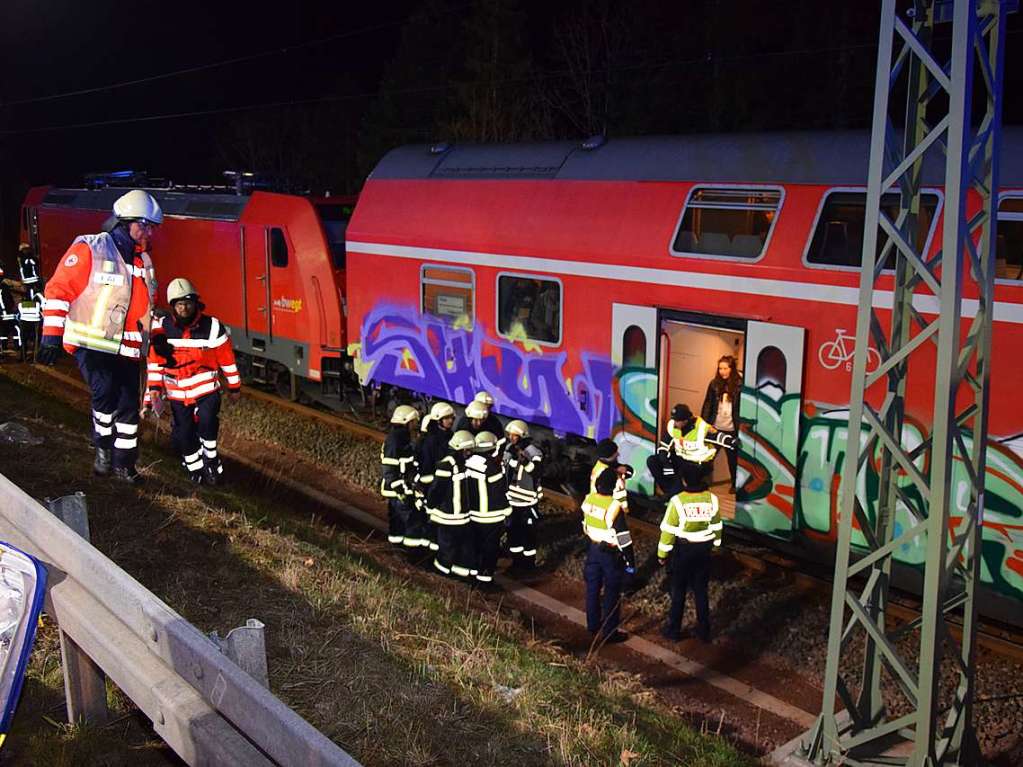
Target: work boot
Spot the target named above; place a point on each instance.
(128, 474)
(101, 465)
(214, 472)
(196, 477)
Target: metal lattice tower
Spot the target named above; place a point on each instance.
(926, 320)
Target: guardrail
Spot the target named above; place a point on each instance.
(203, 705)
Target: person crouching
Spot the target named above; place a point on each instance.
(189, 376)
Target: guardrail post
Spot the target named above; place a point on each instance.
(85, 688)
(246, 646)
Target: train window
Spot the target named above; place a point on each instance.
(529, 308)
(335, 222)
(278, 247)
(448, 292)
(838, 236)
(1009, 248)
(719, 221)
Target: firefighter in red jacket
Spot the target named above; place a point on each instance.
(97, 307)
(190, 380)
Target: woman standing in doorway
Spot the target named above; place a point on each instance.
(721, 407)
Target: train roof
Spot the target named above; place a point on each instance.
(220, 207)
(787, 157)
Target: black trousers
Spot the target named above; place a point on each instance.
(194, 431)
(690, 569)
(604, 573)
(486, 537)
(397, 519)
(522, 532)
(732, 455)
(113, 381)
(454, 549)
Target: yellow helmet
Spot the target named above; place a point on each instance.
(404, 414)
(462, 440)
(517, 427)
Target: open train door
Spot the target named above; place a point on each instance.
(634, 356)
(772, 399)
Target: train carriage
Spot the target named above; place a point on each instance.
(271, 266)
(589, 288)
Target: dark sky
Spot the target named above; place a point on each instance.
(50, 47)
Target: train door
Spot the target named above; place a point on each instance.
(634, 356)
(691, 348)
(771, 407)
(256, 280)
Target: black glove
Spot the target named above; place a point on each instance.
(163, 349)
(50, 351)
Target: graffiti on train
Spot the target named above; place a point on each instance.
(781, 442)
(453, 361)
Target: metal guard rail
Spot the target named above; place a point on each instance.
(203, 705)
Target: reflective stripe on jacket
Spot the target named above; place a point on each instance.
(692, 518)
(523, 469)
(599, 515)
(202, 349)
(96, 300)
(487, 490)
(692, 445)
(447, 498)
(398, 464)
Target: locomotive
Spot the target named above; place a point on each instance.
(590, 287)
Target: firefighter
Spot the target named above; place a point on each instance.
(190, 380)
(432, 447)
(609, 557)
(30, 308)
(10, 336)
(98, 307)
(692, 518)
(397, 458)
(488, 504)
(523, 466)
(449, 508)
(479, 416)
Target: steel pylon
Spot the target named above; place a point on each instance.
(915, 319)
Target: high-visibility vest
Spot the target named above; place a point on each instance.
(96, 318)
(692, 518)
(599, 512)
(692, 445)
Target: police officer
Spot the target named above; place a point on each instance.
(97, 306)
(190, 380)
(488, 504)
(523, 466)
(688, 436)
(690, 530)
(398, 463)
(608, 559)
(449, 508)
(607, 458)
(433, 445)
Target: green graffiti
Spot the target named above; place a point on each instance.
(791, 477)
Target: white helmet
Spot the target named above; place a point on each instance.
(476, 409)
(462, 440)
(441, 410)
(180, 288)
(404, 414)
(485, 441)
(137, 204)
(517, 427)
(485, 398)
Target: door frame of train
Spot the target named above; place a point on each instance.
(634, 387)
(253, 259)
(771, 425)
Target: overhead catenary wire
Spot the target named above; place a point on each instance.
(425, 89)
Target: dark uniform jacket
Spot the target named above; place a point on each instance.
(398, 462)
(447, 498)
(523, 469)
(487, 489)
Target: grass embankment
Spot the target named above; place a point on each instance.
(397, 668)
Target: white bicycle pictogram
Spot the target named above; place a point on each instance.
(831, 354)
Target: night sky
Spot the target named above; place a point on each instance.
(328, 86)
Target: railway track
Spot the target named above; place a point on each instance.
(1002, 640)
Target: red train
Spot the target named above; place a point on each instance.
(591, 287)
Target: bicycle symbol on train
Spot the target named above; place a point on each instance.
(831, 354)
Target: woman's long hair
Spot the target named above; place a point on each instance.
(733, 383)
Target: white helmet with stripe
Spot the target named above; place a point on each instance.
(517, 427)
(476, 410)
(484, 398)
(138, 205)
(404, 414)
(180, 288)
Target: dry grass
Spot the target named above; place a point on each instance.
(395, 667)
